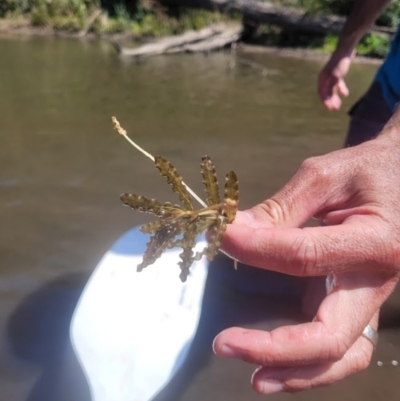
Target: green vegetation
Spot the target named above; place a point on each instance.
(372, 45)
(67, 15)
(148, 18)
(141, 18)
(156, 23)
(390, 17)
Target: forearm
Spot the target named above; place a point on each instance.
(362, 16)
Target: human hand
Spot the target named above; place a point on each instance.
(354, 191)
(331, 84)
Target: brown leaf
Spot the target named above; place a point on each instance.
(188, 243)
(146, 205)
(216, 233)
(152, 227)
(159, 242)
(210, 181)
(231, 196)
(142, 204)
(173, 178)
(178, 226)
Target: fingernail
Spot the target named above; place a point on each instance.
(266, 386)
(254, 373)
(270, 386)
(244, 217)
(224, 350)
(227, 352)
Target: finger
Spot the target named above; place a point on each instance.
(327, 90)
(313, 251)
(326, 85)
(342, 88)
(315, 186)
(333, 103)
(339, 216)
(268, 380)
(340, 320)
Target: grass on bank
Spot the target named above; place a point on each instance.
(160, 23)
(147, 18)
(372, 45)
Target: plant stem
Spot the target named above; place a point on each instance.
(123, 132)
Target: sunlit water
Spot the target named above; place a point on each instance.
(62, 168)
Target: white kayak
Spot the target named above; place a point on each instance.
(132, 331)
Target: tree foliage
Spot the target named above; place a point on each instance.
(390, 17)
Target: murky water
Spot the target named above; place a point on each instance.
(62, 169)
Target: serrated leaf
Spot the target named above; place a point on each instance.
(173, 178)
(231, 196)
(180, 226)
(210, 181)
(146, 205)
(188, 243)
(216, 233)
(159, 242)
(142, 204)
(152, 227)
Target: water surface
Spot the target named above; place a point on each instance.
(62, 169)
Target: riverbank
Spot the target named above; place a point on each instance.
(26, 30)
(150, 21)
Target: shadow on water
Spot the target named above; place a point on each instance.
(229, 301)
(38, 332)
(390, 315)
(38, 329)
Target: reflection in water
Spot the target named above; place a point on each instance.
(62, 169)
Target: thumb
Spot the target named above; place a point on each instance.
(343, 89)
(326, 85)
(309, 191)
(268, 235)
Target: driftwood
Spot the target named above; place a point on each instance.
(216, 42)
(205, 40)
(90, 22)
(265, 12)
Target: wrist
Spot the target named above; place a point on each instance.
(340, 58)
(343, 51)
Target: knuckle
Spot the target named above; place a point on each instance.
(320, 377)
(340, 345)
(317, 376)
(391, 251)
(303, 256)
(395, 260)
(314, 169)
(385, 252)
(272, 209)
(359, 361)
(294, 386)
(363, 361)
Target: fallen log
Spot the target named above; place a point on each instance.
(163, 45)
(265, 12)
(205, 40)
(220, 41)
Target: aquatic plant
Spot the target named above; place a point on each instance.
(179, 226)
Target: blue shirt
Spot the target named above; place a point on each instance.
(388, 74)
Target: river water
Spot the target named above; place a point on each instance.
(62, 168)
